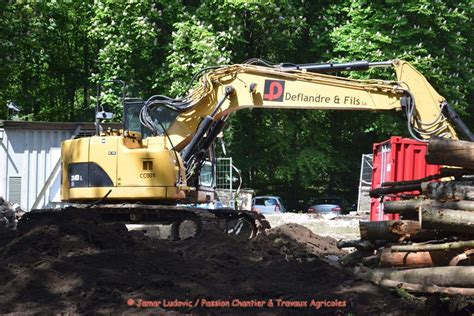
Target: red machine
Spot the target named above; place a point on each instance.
(397, 159)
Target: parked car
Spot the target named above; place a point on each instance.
(268, 204)
(328, 207)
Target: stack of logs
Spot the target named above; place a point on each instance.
(431, 248)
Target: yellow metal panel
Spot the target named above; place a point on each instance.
(119, 193)
(103, 151)
(73, 150)
(130, 142)
(76, 150)
(152, 166)
(427, 99)
(141, 170)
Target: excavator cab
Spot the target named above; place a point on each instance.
(131, 116)
(162, 117)
(204, 176)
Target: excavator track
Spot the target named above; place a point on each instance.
(186, 222)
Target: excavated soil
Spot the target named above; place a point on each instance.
(73, 262)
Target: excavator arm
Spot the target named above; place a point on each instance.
(425, 99)
(283, 87)
(202, 114)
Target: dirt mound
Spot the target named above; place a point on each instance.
(67, 233)
(296, 242)
(73, 262)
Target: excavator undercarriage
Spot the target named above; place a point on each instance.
(186, 222)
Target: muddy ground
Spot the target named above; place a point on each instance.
(75, 263)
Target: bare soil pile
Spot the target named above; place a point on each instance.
(297, 242)
(73, 262)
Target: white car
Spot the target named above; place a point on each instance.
(268, 205)
(328, 207)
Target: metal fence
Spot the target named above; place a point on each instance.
(224, 173)
(365, 183)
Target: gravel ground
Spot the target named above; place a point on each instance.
(341, 227)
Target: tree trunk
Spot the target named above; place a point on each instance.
(415, 260)
(440, 276)
(443, 173)
(393, 230)
(447, 220)
(358, 244)
(421, 288)
(409, 207)
(394, 189)
(452, 190)
(411, 260)
(406, 207)
(466, 255)
(354, 257)
(451, 153)
(430, 247)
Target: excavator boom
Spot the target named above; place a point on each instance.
(298, 87)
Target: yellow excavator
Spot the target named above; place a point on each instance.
(149, 171)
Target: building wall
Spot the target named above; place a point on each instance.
(28, 153)
(27, 158)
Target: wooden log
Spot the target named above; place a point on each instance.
(418, 259)
(371, 261)
(431, 247)
(455, 205)
(387, 230)
(378, 192)
(458, 276)
(444, 172)
(462, 256)
(409, 207)
(354, 257)
(411, 260)
(447, 220)
(404, 207)
(421, 288)
(356, 243)
(451, 153)
(392, 230)
(450, 190)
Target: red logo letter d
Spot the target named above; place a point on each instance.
(273, 90)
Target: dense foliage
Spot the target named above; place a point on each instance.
(52, 54)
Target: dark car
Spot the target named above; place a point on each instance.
(328, 207)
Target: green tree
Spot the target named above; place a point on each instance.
(124, 36)
(45, 60)
(435, 36)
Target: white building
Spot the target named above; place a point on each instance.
(30, 160)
